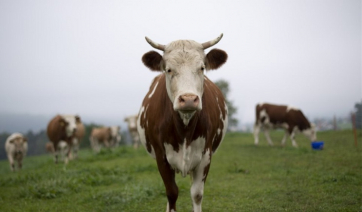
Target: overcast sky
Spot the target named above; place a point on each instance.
(84, 57)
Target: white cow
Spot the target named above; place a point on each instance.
(16, 146)
(132, 127)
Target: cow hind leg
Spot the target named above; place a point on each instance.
(168, 177)
(284, 138)
(199, 176)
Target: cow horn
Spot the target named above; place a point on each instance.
(212, 42)
(155, 45)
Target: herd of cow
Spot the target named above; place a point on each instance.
(182, 120)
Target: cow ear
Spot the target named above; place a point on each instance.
(153, 60)
(215, 59)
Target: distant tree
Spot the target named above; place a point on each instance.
(358, 107)
(224, 87)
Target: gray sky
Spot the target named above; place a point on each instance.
(84, 57)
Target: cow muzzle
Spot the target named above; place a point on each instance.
(187, 103)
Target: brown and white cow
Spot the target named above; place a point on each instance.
(291, 119)
(62, 128)
(78, 136)
(100, 136)
(16, 146)
(183, 117)
(116, 136)
(132, 128)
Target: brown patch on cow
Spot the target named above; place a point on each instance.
(102, 134)
(198, 199)
(215, 59)
(153, 60)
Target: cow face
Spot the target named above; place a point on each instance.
(183, 64)
(18, 143)
(132, 122)
(311, 133)
(69, 122)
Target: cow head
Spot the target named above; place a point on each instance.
(69, 123)
(311, 132)
(19, 143)
(184, 63)
(132, 122)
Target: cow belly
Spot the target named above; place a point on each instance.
(186, 158)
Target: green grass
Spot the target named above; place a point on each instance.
(243, 177)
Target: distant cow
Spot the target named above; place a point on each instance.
(132, 128)
(101, 136)
(183, 117)
(78, 136)
(62, 128)
(116, 136)
(292, 120)
(16, 146)
(49, 147)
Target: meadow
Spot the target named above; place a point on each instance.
(243, 177)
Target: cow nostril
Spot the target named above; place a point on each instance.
(180, 99)
(196, 99)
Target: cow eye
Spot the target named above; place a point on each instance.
(168, 70)
(202, 68)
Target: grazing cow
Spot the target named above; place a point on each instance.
(78, 136)
(183, 117)
(49, 147)
(16, 146)
(62, 128)
(100, 135)
(132, 128)
(292, 120)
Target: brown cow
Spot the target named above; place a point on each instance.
(292, 120)
(100, 135)
(62, 128)
(183, 117)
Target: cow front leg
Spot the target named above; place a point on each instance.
(199, 176)
(11, 162)
(292, 136)
(256, 134)
(267, 136)
(168, 177)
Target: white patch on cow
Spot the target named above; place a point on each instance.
(197, 188)
(186, 117)
(218, 131)
(291, 108)
(187, 158)
(142, 134)
(153, 91)
(225, 124)
(72, 125)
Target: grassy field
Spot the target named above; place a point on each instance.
(243, 177)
